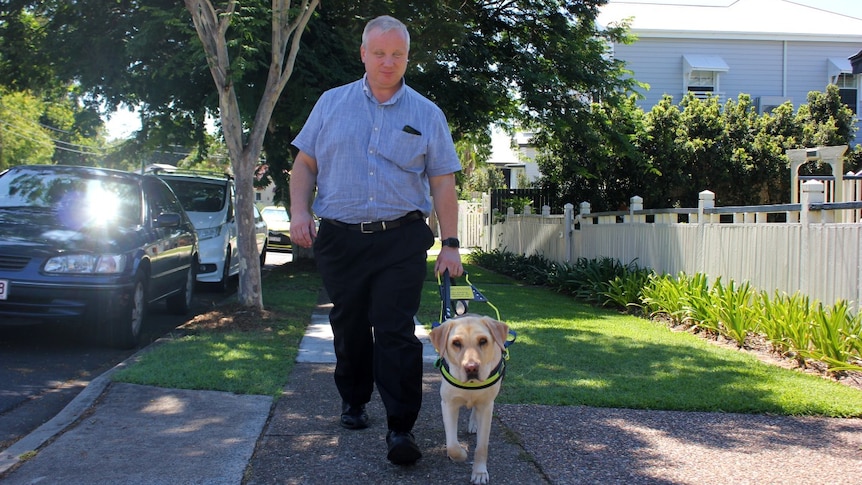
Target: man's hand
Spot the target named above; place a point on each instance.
(449, 259)
(303, 231)
(302, 180)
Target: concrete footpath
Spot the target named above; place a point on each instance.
(127, 434)
(115, 433)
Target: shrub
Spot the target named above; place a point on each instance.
(791, 324)
(696, 302)
(732, 311)
(626, 291)
(786, 322)
(835, 335)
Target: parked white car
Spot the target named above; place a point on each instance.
(209, 200)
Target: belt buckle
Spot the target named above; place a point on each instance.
(363, 230)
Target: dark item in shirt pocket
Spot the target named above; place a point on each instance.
(411, 130)
(405, 150)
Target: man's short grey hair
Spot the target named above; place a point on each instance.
(384, 24)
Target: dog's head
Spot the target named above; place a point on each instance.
(472, 345)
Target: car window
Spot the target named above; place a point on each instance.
(275, 214)
(78, 196)
(161, 199)
(230, 203)
(199, 196)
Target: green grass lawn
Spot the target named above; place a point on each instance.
(567, 353)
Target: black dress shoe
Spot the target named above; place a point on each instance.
(402, 448)
(353, 417)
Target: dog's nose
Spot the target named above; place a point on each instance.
(472, 369)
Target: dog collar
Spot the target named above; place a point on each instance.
(496, 375)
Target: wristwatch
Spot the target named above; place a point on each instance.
(451, 242)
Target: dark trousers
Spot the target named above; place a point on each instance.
(375, 284)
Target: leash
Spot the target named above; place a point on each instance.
(454, 301)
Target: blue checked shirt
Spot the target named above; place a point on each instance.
(369, 167)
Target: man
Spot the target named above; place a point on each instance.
(378, 152)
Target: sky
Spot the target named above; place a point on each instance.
(847, 7)
(124, 122)
(121, 124)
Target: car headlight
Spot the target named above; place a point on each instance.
(86, 264)
(208, 233)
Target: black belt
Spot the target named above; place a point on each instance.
(377, 226)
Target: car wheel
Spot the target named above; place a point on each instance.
(122, 329)
(180, 302)
(263, 255)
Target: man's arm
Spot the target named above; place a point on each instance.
(303, 179)
(446, 207)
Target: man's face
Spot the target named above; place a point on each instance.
(385, 59)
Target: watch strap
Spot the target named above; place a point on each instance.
(451, 242)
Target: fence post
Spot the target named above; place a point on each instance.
(705, 200)
(488, 222)
(569, 214)
(812, 192)
(546, 210)
(584, 210)
(636, 203)
(850, 194)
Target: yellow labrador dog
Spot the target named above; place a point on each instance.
(472, 351)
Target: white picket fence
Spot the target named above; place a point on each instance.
(816, 250)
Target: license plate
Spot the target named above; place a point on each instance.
(4, 289)
(274, 239)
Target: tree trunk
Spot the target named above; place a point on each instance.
(244, 146)
(250, 292)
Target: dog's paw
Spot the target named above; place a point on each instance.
(480, 477)
(457, 453)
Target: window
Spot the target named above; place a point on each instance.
(701, 75)
(847, 89)
(701, 81)
(840, 72)
(161, 199)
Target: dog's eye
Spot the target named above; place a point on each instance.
(483, 341)
(456, 344)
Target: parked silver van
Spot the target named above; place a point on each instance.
(208, 198)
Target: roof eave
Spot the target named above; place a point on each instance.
(767, 36)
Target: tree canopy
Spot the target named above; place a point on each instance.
(539, 65)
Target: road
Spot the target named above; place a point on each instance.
(42, 368)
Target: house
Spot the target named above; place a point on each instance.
(515, 155)
(773, 50)
(264, 196)
(856, 62)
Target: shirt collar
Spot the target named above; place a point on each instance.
(395, 97)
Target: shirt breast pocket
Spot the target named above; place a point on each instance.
(405, 150)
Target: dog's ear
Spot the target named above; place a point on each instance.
(498, 329)
(439, 336)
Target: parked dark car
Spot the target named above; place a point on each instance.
(92, 247)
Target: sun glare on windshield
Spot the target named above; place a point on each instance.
(100, 204)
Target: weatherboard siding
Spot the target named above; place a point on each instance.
(756, 66)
